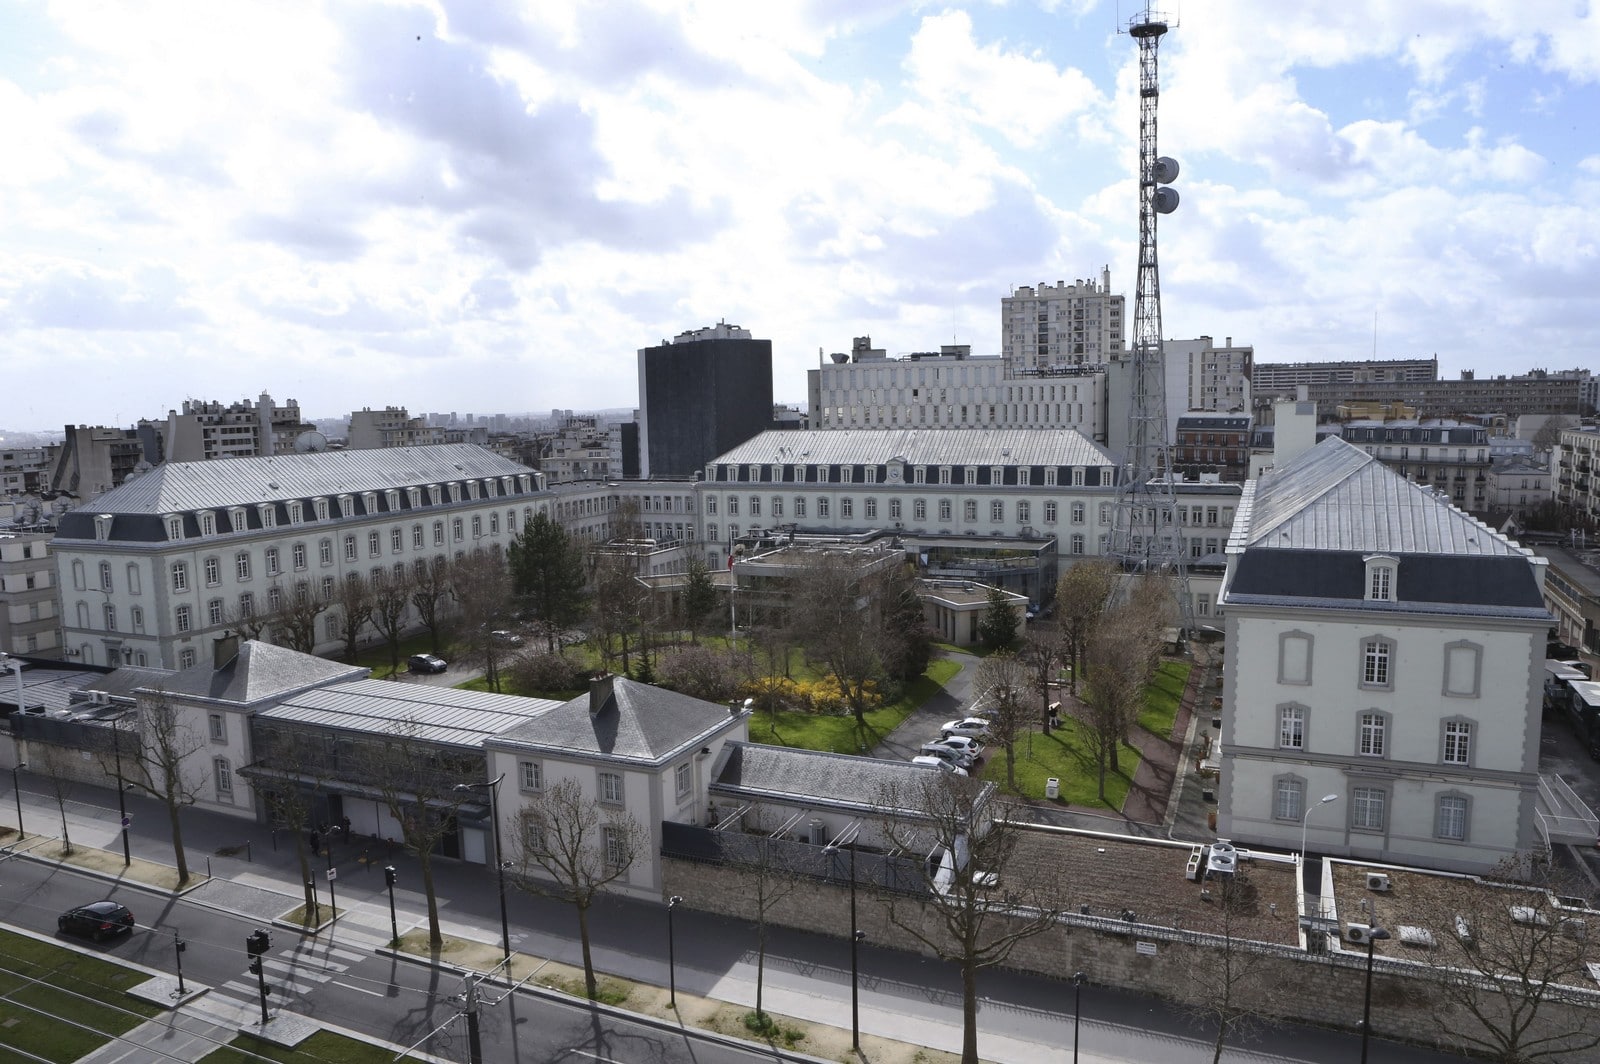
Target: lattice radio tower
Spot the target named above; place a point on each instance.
(1145, 536)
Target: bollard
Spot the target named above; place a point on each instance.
(208, 866)
(274, 833)
(249, 858)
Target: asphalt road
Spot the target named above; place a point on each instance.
(340, 979)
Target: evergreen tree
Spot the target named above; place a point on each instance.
(699, 597)
(998, 629)
(547, 573)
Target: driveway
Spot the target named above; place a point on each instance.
(923, 723)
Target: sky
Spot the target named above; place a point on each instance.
(490, 207)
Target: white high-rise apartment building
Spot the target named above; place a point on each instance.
(1055, 326)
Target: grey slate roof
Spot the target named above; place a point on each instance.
(977, 447)
(1335, 496)
(756, 771)
(180, 486)
(429, 714)
(260, 672)
(1304, 531)
(639, 722)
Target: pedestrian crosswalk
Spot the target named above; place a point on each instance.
(297, 970)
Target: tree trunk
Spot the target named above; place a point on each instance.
(1115, 765)
(969, 1013)
(305, 870)
(177, 841)
(1100, 760)
(1222, 1037)
(435, 938)
(590, 989)
(761, 965)
(1011, 766)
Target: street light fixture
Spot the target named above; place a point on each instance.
(493, 787)
(1324, 800)
(1077, 1007)
(16, 789)
(672, 959)
(1374, 933)
(122, 787)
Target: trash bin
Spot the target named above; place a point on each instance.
(1052, 788)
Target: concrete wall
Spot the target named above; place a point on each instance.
(1320, 989)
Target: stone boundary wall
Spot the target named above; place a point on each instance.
(1323, 989)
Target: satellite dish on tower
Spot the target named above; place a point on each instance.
(309, 442)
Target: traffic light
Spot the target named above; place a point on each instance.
(257, 943)
(388, 875)
(183, 947)
(255, 965)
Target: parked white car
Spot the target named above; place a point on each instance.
(938, 762)
(975, 727)
(964, 743)
(958, 758)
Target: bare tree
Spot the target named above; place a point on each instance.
(1081, 597)
(483, 597)
(57, 765)
(1235, 981)
(620, 604)
(430, 589)
(295, 617)
(1042, 651)
(773, 870)
(975, 849)
(1548, 437)
(832, 613)
(352, 605)
(416, 781)
(250, 622)
(1116, 662)
(1003, 680)
(571, 848)
(390, 600)
(1507, 948)
(166, 743)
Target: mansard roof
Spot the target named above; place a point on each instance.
(974, 447)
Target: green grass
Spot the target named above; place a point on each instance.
(324, 1046)
(376, 657)
(1161, 698)
(1067, 755)
(840, 734)
(41, 980)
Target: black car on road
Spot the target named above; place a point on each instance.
(97, 920)
(426, 663)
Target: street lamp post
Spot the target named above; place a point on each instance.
(16, 789)
(1304, 820)
(856, 936)
(122, 787)
(493, 787)
(1077, 1008)
(394, 925)
(672, 958)
(1373, 935)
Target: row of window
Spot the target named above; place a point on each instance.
(919, 474)
(295, 510)
(609, 786)
(1369, 809)
(1373, 728)
(919, 509)
(1375, 668)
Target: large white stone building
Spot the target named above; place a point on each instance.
(155, 567)
(1387, 648)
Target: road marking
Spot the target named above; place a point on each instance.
(358, 989)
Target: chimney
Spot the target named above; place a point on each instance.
(600, 693)
(224, 648)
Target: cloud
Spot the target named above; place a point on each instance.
(77, 298)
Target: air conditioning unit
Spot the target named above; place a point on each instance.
(1377, 881)
(1360, 934)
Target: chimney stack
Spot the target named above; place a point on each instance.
(224, 648)
(600, 692)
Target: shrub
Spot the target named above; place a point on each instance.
(701, 672)
(548, 672)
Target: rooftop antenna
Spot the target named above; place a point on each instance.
(1145, 536)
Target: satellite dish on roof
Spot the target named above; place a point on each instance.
(309, 442)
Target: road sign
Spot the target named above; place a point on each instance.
(127, 820)
(333, 873)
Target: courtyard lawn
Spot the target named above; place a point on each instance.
(39, 980)
(840, 734)
(1067, 755)
(324, 1047)
(1161, 698)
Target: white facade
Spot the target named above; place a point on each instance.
(1214, 378)
(1051, 326)
(174, 557)
(1519, 483)
(1384, 647)
(955, 392)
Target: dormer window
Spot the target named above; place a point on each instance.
(322, 509)
(268, 514)
(294, 512)
(1382, 570)
(174, 526)
(208, 523)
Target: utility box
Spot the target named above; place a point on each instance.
(1052, 788)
